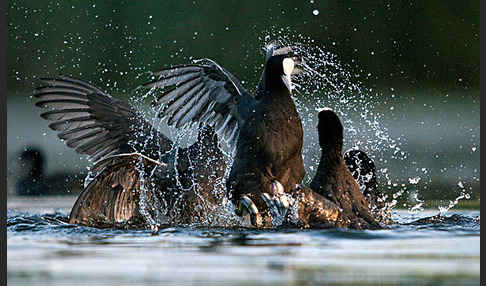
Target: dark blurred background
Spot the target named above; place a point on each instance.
(425, 52)
(401, 43)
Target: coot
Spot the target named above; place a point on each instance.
(34, 181)
(334, 181)
(264, 129)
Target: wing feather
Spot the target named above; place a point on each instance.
(93, 122)
(203, 92)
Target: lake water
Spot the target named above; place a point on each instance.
(44, 250)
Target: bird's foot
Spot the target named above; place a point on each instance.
(276, 201)
(247, 207)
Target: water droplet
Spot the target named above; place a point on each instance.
(414, 181)
(315, 12)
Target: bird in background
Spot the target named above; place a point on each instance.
(32, 178)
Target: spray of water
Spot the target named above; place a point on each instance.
(324, 82)
(444, 209)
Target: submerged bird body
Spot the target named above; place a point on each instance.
(132, 190)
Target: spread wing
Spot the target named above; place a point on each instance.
(203, 92)
(93, 122)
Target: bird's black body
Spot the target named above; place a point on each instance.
(270, 143)
(264, 129)
(363, 170)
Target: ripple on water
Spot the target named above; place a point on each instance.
(51, 224)
(41, 245)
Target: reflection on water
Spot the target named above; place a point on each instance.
(44, 249)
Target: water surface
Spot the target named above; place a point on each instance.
(44, 250)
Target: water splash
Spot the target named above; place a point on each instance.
(324, 82)
(418, 207)
(444, 209)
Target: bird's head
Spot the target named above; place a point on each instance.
(330, 130)
(281, 65)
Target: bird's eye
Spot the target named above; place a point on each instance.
(288, 66)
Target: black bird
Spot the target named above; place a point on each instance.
(139, 177)
(264, 129)
(334, 181)
(364, 171)
(34, 181)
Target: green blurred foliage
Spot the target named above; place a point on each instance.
(114, 43)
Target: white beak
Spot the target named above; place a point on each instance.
(288, 68)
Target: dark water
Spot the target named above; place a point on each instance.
(45, 250)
